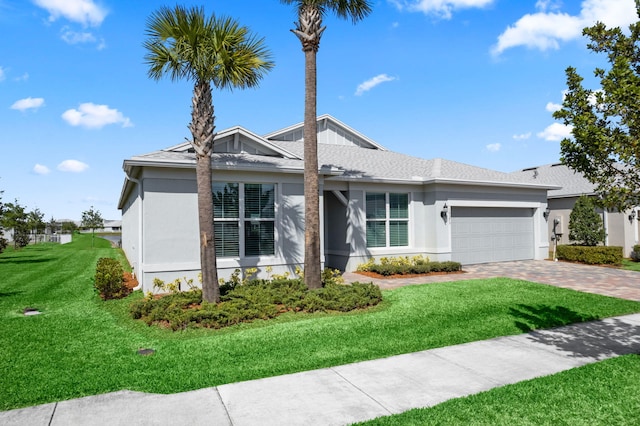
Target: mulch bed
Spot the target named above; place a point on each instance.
(384, 277)
(130, 281)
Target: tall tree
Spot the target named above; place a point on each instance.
(309, 29)
(92, 219)
(605, 122)
(15, 218)
(185, 44)
(585, 224)
(35, 223)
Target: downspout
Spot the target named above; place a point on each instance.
(140, 245)
(605, 220)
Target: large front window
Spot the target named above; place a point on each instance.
(387, 219)
(244, 210)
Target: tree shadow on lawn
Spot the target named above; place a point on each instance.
(545, 316)
(585, 338)
(17, 260)
(4, 294)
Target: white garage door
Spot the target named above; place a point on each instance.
(481, 235)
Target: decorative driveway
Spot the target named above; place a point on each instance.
(592, 279)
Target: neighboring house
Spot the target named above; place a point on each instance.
(374, 203)
(621, 227)
(112, 226)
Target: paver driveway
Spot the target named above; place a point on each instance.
(592, 279)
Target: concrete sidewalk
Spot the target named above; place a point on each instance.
(355, 392)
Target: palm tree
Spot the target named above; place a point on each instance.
(309, 30)
(185, 44)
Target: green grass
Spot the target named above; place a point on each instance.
(630, 265)
(82, 346)
(604, 393)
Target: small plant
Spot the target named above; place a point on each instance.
(404, 266)
(173, 287)
(109, 279)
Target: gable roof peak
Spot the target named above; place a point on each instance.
(330, 131)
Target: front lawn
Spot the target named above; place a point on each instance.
(82, 346)
(630, 265)
(604, 393)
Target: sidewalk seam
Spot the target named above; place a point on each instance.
(361, 391)
(226, 410)
(53, 413)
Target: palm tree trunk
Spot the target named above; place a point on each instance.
(202, 130)
(312, 269)
(210, 288)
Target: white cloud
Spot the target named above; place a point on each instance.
(28, 103)
(494, 147)
(73, 166)
(552, 107)
(23, 77)
(2, 74)
(85, 12)
(556, 132)
(41, 170)
(74, 37)
(439, 8)
(544, 5)
(95, 116)
(545, 30)
(522, 136)
(372, 82)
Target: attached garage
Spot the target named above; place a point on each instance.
(489, 234)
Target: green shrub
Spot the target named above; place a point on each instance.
(109, 279)
(405, 266)
(635, 254)
(3, 244)
(585, 224)
(598, 255)
(252, 300)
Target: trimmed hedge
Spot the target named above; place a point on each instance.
(424, 268)
(598, 255)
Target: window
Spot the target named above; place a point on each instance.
(245, 210)
(387, 219)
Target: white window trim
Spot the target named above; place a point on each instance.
(387, 220)
(241, 220)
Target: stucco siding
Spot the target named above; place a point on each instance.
(171, 221)
(131, 230)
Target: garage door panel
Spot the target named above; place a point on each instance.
(480, 235)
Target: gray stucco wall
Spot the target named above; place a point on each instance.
(131, 229)
(620, 230)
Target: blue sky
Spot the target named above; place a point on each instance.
(474, 81)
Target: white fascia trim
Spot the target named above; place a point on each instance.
(257, 139)
(488, 203)
(418, 181)
(579, 194)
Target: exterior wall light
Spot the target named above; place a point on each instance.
(632, 216)
(546, 213)
(445, 212)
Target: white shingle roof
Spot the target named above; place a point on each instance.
(389, 165)
(343, 162)
(572, 183)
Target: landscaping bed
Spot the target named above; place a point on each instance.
(405, 267)
(253, 300)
